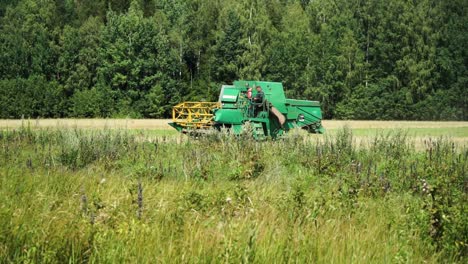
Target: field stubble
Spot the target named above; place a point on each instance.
(163, 123)
(418, 131)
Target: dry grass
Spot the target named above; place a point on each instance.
(163, 123)
(89, 123)
(357, 124)
(361, 128)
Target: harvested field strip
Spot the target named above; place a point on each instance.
(162, 123)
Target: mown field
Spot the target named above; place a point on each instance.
(112, 191)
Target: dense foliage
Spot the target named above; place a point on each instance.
(109, 58)
(110, 196)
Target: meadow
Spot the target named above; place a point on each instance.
(133, 191)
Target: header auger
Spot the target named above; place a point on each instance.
(257, 105)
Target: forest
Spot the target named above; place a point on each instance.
(385, 60)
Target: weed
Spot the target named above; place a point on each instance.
(81, 196)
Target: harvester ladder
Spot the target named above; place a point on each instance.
(194, 115)
(258, 131)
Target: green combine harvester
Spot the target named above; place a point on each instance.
(241, 109)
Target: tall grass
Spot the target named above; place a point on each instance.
(111, 196)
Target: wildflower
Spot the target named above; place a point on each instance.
(425, 186)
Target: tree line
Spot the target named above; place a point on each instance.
(373, 59)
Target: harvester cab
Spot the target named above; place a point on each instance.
(238, 110)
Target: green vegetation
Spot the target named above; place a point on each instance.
(137, 58)
(110, 196)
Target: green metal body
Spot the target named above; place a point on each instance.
(273, 117)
